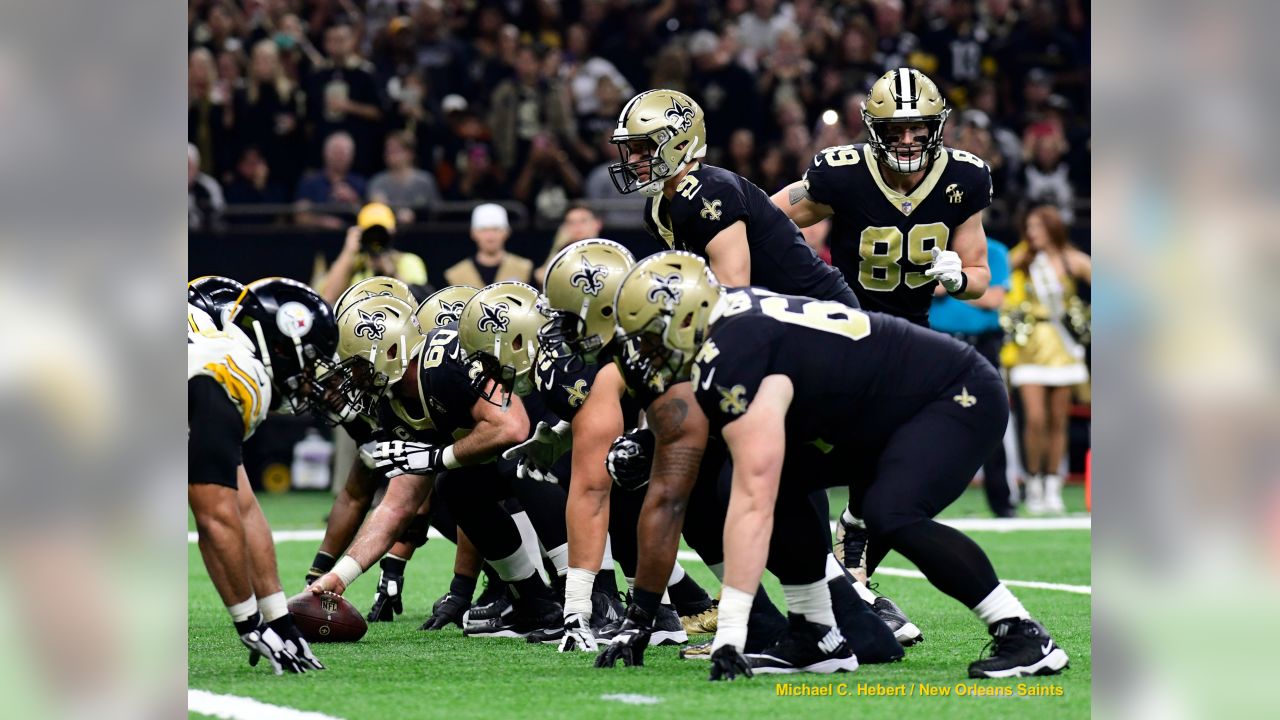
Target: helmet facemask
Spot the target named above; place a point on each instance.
(886, 140)
(648, 355)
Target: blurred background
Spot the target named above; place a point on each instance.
(302, 111)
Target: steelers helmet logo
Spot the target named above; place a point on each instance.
(494, 317)
(589, 278)
(371, 325)
(665, 288)
(294, 319)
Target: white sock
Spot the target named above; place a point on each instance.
(243, 610)
(813, 601)
(577, 591)
(999, 605)
(735, 609)
(607, 562)
(559, 557)
(849, 519)
(631, 584)
(516, 566)
(717, 569)
(529, 542)
(677, 574)
(273, 606)
(666, 598)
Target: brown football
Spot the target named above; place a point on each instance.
(327, 618)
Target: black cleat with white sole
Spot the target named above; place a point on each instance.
(531, 615)
(1020, 648)
(806, 647)
(904, 631)
(667, 628)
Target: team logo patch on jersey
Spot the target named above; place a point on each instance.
(494, 318)
(955, 195)
(680, 116)
(577, 393)
(371, 325)
(294, 319)
(733, 400)
(589, 278)
(665, 286)
(964, 399)
(710, 210)
(449, 312)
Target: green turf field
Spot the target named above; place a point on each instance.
(398, 672)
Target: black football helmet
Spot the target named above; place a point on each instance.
(215, 295)
(296, 338)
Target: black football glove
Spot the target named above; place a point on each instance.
(294, 642)
(262, 642)
(630, 458)
(727, 664)
(630, 642)
(388, 598)
(446, 611)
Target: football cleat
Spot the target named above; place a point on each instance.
(904, 631)
(532, 615)
(481, 614)
(704, 622)
(851, 547)
(546, 635)
(806, 647)
(606, 610)
(697, 651)
(667, 628)
(1019, 648)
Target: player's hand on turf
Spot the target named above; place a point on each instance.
(727, 664)
(263, 642)
(578, 635)
(388, 599)
(446, 611)
(537, 454)
(630, 642)
(295, 643)
(398, 457)
(946, 268)
(329, 582)
(630, 458)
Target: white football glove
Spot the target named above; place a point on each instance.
(537, 454)
(399, 457)
(263, 642)
(946, 268)
(578, 635)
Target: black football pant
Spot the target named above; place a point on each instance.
(474, 497)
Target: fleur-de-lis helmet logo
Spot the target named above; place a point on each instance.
(589, 278)
(680, 116)
(665, 288)
(494, 317)
(371, 325)
(449, 312)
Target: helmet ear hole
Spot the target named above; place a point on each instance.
(606, 311)
(517, 343)
(393, 351)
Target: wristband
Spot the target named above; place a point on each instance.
(347, 570)
(243, 610)
(735, 609)
(450, 460)
(578, 584)
(964, 283)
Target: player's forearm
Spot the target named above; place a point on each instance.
(794, 200)
(389, 519)
(748, 526)
(349, 508)
(587, 520)
(675, 470)
(979, 278)
(221, 541)
(488, 438)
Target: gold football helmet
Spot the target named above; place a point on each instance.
(899, 99)
(582, 281)
(376, 338)
(667, 128)
(443, 306)
(498, 335)
(664, 308)
(378, 285)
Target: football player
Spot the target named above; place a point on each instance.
(805, 392)
(262, 352)
(710, 211)
(435, 399)
(906, 217)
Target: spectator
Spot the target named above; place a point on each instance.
(671, 69)
(209, 116)
(204, 197)
(580, 223)
(342, 96)
(741, 157)
(724, 89)
(548, 179)
(1045, 180)
(608, 106)
(583, 72)
(985, 99)
(623, 211)
(973, 134)
(370, 250)
(525, 107)
(415, 111)
(1048, 361)
(785, 73)
(491, 262)
(335, 184)
(977, 322)
(895, 45)
(440, 56)
(778, 168)
(268, 111)
(859, 64)
(252, 184)
(403, 186)
(758, 30)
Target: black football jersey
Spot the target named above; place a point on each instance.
(710, 199)
(857, 376)
(881, 239)
(564, 384)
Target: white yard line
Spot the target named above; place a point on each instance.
(917, 575)
(632, 699)
(233, 707)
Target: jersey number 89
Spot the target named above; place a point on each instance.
(880, 250)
